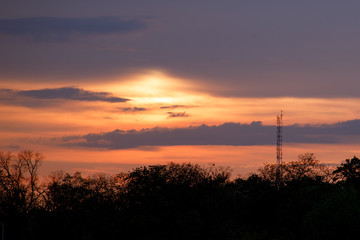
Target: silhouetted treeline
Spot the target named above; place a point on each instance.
(303, 199)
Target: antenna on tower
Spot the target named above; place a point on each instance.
(279, 153)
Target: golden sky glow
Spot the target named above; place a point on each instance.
(241, 159)
(152, 96)
(156, 81)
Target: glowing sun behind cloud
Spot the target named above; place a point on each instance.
(153, 87)
(159, 94)
(157, 99)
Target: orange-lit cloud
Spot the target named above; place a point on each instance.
(60, 125)
(75, 86)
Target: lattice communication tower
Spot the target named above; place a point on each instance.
(279, 152)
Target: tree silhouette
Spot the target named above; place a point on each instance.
(180, 201)
(349, 171)
(336, 215)
(20, 191)
(305, 168)
(176, 201)
(19, 181)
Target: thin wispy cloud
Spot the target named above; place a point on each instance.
(72, 93)
(38, 97)
(177, 114)
(176, 106)
(132, 109)
(59, 29)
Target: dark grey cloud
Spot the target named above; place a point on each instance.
(53, 28)
(37, 97)
(71, 93)
(11, 97)
(132, 109)
(233, 134)
(176, 106)
(177, 114)
(238, 48)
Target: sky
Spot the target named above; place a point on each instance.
(106, 86)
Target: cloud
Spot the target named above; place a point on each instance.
(72, 94)
(35, 98)
(177, 114)
(176, 106)
(232, 134)
(55, 29)
(132, 109)
(304, 56)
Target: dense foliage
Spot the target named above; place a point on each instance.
(303, 199)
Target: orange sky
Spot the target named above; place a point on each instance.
(32, 127)
(243, 160)
(110, 85)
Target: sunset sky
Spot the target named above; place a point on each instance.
(105, 86)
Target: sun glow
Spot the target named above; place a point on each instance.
(161, 96)
(152, 87)
(157, 99)
(167, 100)
(149, 84)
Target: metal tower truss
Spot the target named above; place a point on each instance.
(279, 152)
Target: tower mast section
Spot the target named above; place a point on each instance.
(279, 152)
